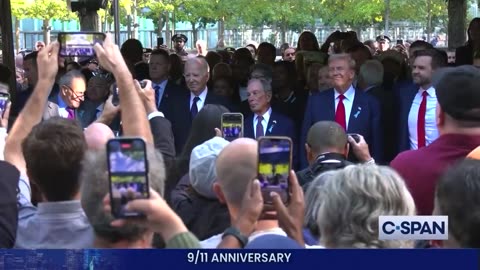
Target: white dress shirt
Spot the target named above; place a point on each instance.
(431, 131)
(266, 118)
(201, 102)
(162, 86)
(347, 102)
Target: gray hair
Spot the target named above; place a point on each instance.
(95, 185)
(371, 73)
(266, 86)
(352, 201)
(344, 57)
(68, 77)
(313, 201)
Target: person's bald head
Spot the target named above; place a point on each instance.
(233, 180)
(326, 136)
(196, 74)
(97, 135)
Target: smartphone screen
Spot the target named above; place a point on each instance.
(232, 126)
(274, 163)
(79, 43)
(3, 103)
(128, 174)
(399, 42)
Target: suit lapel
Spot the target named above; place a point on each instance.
(248, 126)
(356, 111)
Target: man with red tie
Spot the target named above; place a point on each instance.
(354, 110)
(418, 103)
(458, 123)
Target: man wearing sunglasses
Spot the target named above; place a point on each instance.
(69, 97)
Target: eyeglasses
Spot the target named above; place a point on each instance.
(75, 95)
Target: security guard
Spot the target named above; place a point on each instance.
(383, 43)
(179, 44)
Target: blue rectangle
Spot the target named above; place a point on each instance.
(371, 259)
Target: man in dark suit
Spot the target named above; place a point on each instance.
(159, 69)
(418, 102)
(370, 79)
(67, 100)
(352, 109)
(183, 106)
(263, 121)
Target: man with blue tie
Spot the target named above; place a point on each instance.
(352, 109)
(263, 121)
(183, 106)
(418, 127)
(159, 68)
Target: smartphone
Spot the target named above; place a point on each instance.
(79, 43)
(399, 41)
(274, 165)
(127, 173)
(4, 97)
(232, 126)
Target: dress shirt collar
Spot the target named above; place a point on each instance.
(61, 104)
(349, 94)
(52, 208)
(266, 115)
(162, 84)
(430, 91)
(202, 95)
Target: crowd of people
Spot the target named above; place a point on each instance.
(376, 130)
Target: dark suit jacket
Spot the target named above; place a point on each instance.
(364, 120)
(87, 113)
(404, 94)
(178, 112)
(171, 89)
(51, 110)
(278, 125)
(464, 55)
(389, 121)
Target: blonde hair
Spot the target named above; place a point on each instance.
(352, 201)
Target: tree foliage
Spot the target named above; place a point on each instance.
(49, 9)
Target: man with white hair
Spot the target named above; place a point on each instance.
(183, 107)
(370, 80)
(201, 48)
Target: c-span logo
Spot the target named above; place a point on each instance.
(413, 228)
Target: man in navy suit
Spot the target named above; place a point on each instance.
(418, 102)
(352, 109)
(159, 69)
(183, 106)
(264, 121)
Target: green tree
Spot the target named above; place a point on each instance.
(47, 10)
(196, 12)
(19, 10)
(157, 12)
(353, 13)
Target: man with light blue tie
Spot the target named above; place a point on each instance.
(69, 97)
(159, 68)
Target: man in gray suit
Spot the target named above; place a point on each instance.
(66, 101)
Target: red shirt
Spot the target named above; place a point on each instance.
(422, 168)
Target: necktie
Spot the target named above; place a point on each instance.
(421, 121)
(194, 109)
(259, 127)
(71, 113)
(340, 117)
(157, 94)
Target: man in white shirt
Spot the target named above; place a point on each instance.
(182, 107)
(422, 126)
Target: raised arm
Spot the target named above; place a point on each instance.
(134, 116)
(32, 113)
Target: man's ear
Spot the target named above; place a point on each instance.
(308, 152)
(218, 191)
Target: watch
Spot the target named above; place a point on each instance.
(237, 234)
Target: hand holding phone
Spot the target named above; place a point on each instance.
(232, 126)
(274, 165)
(128, 174)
